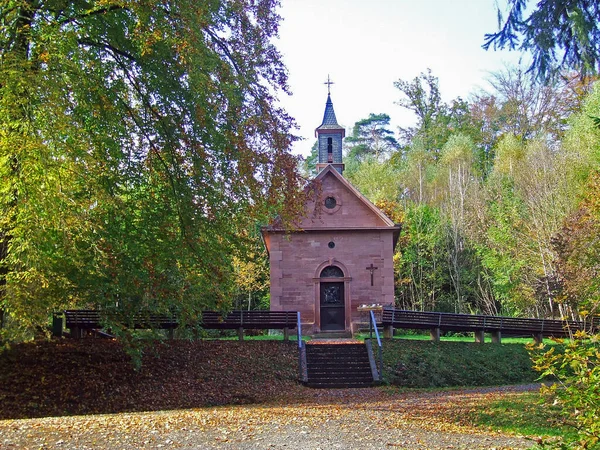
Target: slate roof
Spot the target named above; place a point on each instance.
(329, 120)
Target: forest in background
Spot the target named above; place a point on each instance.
(496, 194)
(142, 147)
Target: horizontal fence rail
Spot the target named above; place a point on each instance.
(90, 319)
(87, 319)
(508, 326)
(249, 319)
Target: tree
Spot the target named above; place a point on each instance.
(137, 140)
(371, 137)
(436, 120)
(252, 276)
(377, 180)
(578, 253)
(309, 165)
(421, 271)
(560, 34)
(524, 107)
(576, 366)
(424, 99)
(458, 178)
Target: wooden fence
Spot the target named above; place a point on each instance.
(497, 326)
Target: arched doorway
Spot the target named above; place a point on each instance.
(332, 299)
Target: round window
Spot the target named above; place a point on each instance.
(331, 244)
(330, 202)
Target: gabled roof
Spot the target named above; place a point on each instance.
(329, 119)
(331, 170)
(387, 223)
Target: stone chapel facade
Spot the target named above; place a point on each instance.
(340, 256)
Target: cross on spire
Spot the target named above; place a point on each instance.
(328, 83)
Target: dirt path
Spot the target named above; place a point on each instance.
(328, 419)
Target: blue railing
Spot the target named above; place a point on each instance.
(302, 370)
(373, 327)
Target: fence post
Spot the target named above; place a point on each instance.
(480, 336)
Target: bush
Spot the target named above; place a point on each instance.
(576, 367)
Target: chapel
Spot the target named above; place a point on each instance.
(339, 256)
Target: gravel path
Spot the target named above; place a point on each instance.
(329, 419)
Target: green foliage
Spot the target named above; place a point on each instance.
(371, 138)
(582, 141)
(421, 272)
(138, 145)
(578, 253)
(500, 251)
(559, 33)
(444, 364)
(577, 392)
(436, 120)
(309, 165)
(503, 171)
(375, 179)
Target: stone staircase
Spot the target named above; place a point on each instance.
(339, 365)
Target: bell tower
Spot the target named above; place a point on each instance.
(330, 135)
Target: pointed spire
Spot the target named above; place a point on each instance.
(330, 136)
(329, 119)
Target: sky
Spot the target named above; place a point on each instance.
(366, 45)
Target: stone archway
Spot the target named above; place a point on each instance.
(332, 299)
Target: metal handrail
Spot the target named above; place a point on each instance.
(373, 325)
(299, 325)
(301, 352)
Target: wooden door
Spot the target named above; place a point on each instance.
(333, 311)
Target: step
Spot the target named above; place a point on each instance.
(338, 373)
(338, 364)
(332, 335)
(335, 349)
(338, 385)
(341, 380)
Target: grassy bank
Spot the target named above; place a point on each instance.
(426, 364)
(64, 377)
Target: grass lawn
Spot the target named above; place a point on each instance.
(362, 336)
(523, 414)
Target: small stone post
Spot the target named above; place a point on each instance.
(480, 336)
(434, 334)
(496, 337)
(388, 332)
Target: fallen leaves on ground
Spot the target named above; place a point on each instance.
(87, 376)
(180, 381)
